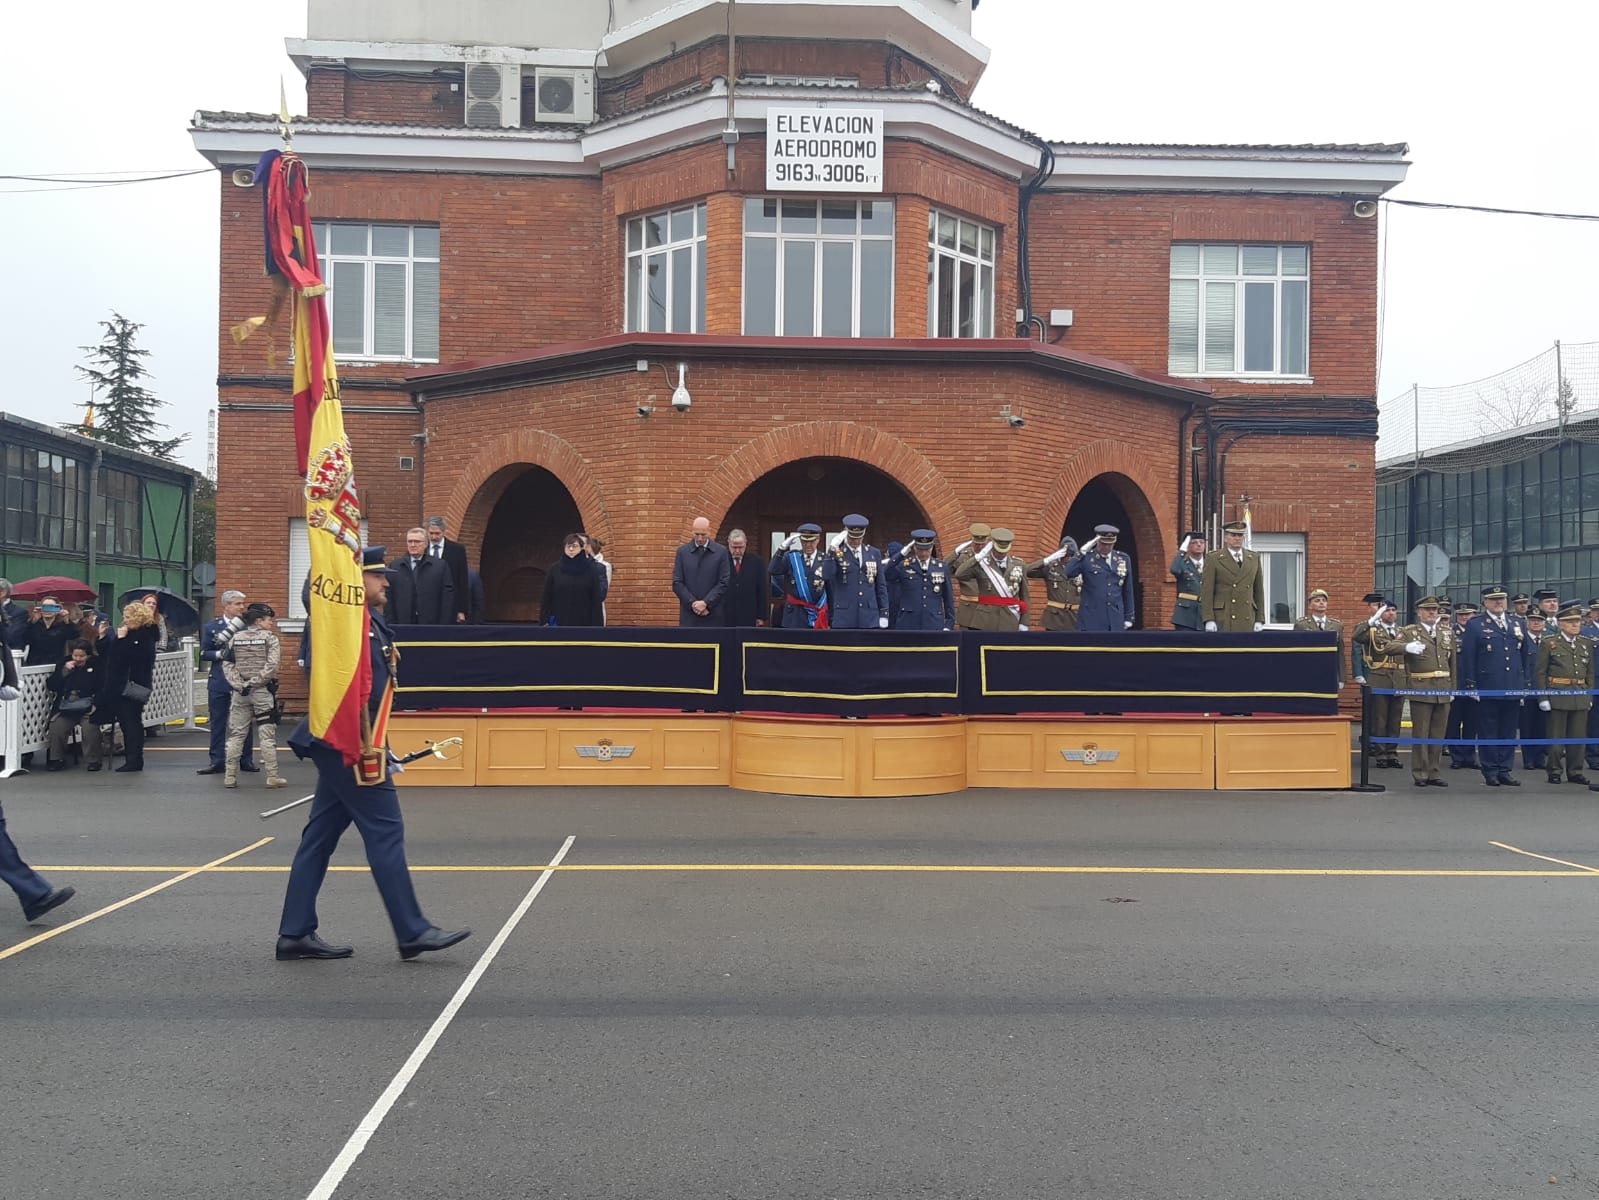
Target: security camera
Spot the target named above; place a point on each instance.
(645, 410)
(1015, 422)
(680, 397)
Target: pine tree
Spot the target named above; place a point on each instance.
(124, 409)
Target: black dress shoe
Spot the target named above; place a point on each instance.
(213, 769)
(309, 946)
(56, 898)
(250, 767)
(1491, 782)
(55, 766)
(94, 766)
(1419, 782)
(1509, 781)
(1436, 783)
(129, 767)
(434, 939)
(1554, 778)
(1576, 779)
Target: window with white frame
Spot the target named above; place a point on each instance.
(1282, 569)
(666, 272)
(300, 565)
(383, 289)
(1239, 310)
(960, 277)
(819, 268)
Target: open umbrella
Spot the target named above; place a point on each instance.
(178, 613)
(68, 591)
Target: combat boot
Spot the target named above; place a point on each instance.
(231, 779)
(276, 781)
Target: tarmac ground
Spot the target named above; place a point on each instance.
(722, 994)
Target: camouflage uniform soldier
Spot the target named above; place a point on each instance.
(251, 669)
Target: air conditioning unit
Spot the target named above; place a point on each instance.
(493, 95)
(563, 95)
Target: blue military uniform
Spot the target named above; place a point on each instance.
(215, 638)
(923, 591)
(1107, 585)
(374, 810)
(1493, 657)
(857, 585)
(1188, 574)
(892, 553)
(1590, 629)
(797, 574)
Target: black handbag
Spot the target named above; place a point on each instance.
(136, 692)
(76, 706)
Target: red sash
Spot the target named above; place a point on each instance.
(1004, 602)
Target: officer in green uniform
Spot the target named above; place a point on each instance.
(1065, 597)
(966, 591)
(1566, 661)
(1189, 568)
(1428, 646)
(1001, 581)
(1319, 622)
(1384, 669)
(1232, 589)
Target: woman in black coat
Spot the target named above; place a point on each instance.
(130, 661)
(572, 588)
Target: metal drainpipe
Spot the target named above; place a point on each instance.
(420, 441)
(94, 492)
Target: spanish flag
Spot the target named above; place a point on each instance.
(341, 671)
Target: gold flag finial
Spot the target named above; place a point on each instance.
(283, 117)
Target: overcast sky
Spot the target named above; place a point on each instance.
(1497, 112)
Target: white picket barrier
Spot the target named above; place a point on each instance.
(23, 721)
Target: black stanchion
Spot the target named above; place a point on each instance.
(1365, 784)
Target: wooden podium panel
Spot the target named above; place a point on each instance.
(585, 749)
(1278, 752)
(820, 756)
(409, 732)
(1109, 755)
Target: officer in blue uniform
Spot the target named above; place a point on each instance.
(215, 639)
(374, 809)
(1493, 657)
(796, 572)
(33, 890)
(857, 585)
(1590, 629)
(892, 553)
(1107, 576)
(922, 587)
(1189, 569)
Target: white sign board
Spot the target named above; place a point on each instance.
(824, 149)
(1427, 564)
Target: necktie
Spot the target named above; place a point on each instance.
(1238, 557)
(1321, 624)
(738, 565)
(438, 550)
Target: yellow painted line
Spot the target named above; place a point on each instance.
(1545, 857)
(891, 868)
(111, 908)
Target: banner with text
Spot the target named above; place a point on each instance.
(826, 149)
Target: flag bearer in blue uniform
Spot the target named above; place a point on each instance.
(373, 808)
(797, 573)
(921, 585)
(1107, 580)
(1493, 657)
(857, 587)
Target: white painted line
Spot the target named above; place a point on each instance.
(334, 1175)
(1563, 862)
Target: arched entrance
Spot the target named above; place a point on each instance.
(823, 490)
(522, 539)
(1114, 499)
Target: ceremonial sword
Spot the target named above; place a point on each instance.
(436, 749)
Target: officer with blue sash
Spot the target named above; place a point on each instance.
(922, 587)
(857, 586)
(1107, 575)
(1493, 657)
(374, 808)
(797, 573)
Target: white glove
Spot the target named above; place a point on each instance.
(1021, 627)
(1361, 680)
(1414, 647)
(1089, 544)
(8, 693)
(1475, 697)
(1545, 705)
(907, 550)
(987, 549)
(1061, 553)
(1182, 546)
(838, 541)
(1259, 625)
(882, 622)
(1210, 627)
(792, 543)
(1127, 624)
(961, 547)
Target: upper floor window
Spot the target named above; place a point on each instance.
(46, 499)
(383, 289)
(819, 268)
(666, 272)
(118, 520)
(1282, 568)
(960, 277)
(1239, 310)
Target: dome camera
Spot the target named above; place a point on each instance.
(680, 397)
(1015, 422)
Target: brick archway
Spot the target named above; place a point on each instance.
(832, 439)
(490, 471)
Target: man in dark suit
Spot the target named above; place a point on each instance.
(700, 576)
(747, 601)
(374, 809)
(453, 555)
(423, 592)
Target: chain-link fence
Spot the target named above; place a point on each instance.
(1518, 412)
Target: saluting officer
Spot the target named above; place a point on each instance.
(1189, 568)
(1383, 669)
(1566, 661)
(1232, 590)
(1429, 649)
(1001, 580)
(797, 573)
(1493, 658)
(341, 798)
(921, 586)
(1063, 596)
(1319, 622)
(978, 534)
(857, 588)
(1107, 581)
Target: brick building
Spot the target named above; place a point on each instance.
(530, 219)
